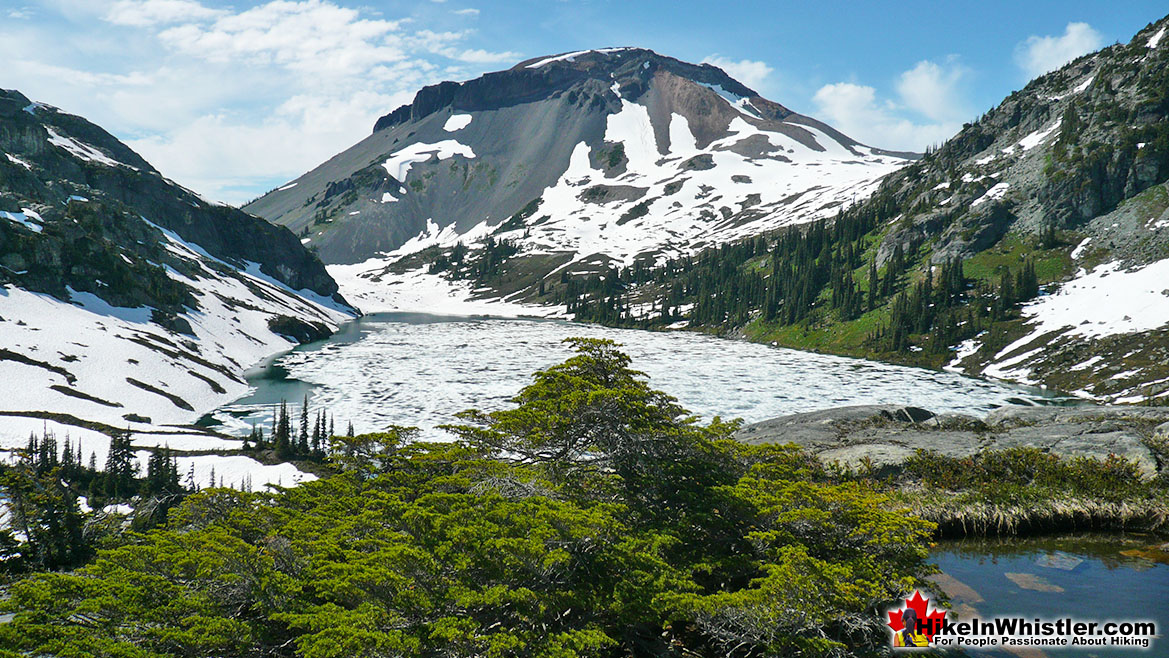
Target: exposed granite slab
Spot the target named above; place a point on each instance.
(883, 436)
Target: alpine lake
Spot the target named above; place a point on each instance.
(420, 370)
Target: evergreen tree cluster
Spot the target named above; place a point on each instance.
(483, 266)
(309, 442)
(43, 489)
(935, 303)
(820, 273)
(785, 281)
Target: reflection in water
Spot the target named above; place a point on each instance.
(1093, 576)
(410, 369)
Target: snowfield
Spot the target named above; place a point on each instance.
(1106, 301)
(235, 471)
(111, 365)
(421, 292)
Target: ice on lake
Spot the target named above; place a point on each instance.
(409, 369)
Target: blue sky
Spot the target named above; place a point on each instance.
(234, 98)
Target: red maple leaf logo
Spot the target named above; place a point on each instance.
(931, 621)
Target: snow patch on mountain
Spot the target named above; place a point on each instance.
(740, 103)
(632, 128)
(682, 142)
(15, 430)
(237, 471)
(457, 122)
(398, 165)
(571, 57)
(435, 236)
(25, 218)
(1107, 301)
(15, 160)
(1036, 138)
(376, 288)
(993, 194)
(82, 150)
(1155, 40)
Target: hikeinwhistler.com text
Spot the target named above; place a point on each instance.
(1019, 632)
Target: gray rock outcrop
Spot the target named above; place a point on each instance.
(883, 436)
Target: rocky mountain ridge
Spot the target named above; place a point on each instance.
(126, 301)
(577, 160)
(1070, 172)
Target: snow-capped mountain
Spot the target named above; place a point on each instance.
(581, 159)
(126, 301)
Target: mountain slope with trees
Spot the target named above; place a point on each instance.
(126, 301)
(1031, 246)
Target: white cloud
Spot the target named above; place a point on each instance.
(933, 90)
(470, 11)
(229, 101)
(249, 157)
(78, 78)
(1038, 55)
(929, 108)
(477, 56)
(142, 13)
(310, 36)
(752, 73)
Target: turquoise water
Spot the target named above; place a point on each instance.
(1091, 577)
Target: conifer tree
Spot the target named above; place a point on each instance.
(121, 467)
(302, 443)
(282, 438)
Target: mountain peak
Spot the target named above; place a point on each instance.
(627, 72)
(581, 58)
(613, 153)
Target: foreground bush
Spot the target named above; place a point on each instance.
(595, 518)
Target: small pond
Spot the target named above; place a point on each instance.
(1091, 576)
